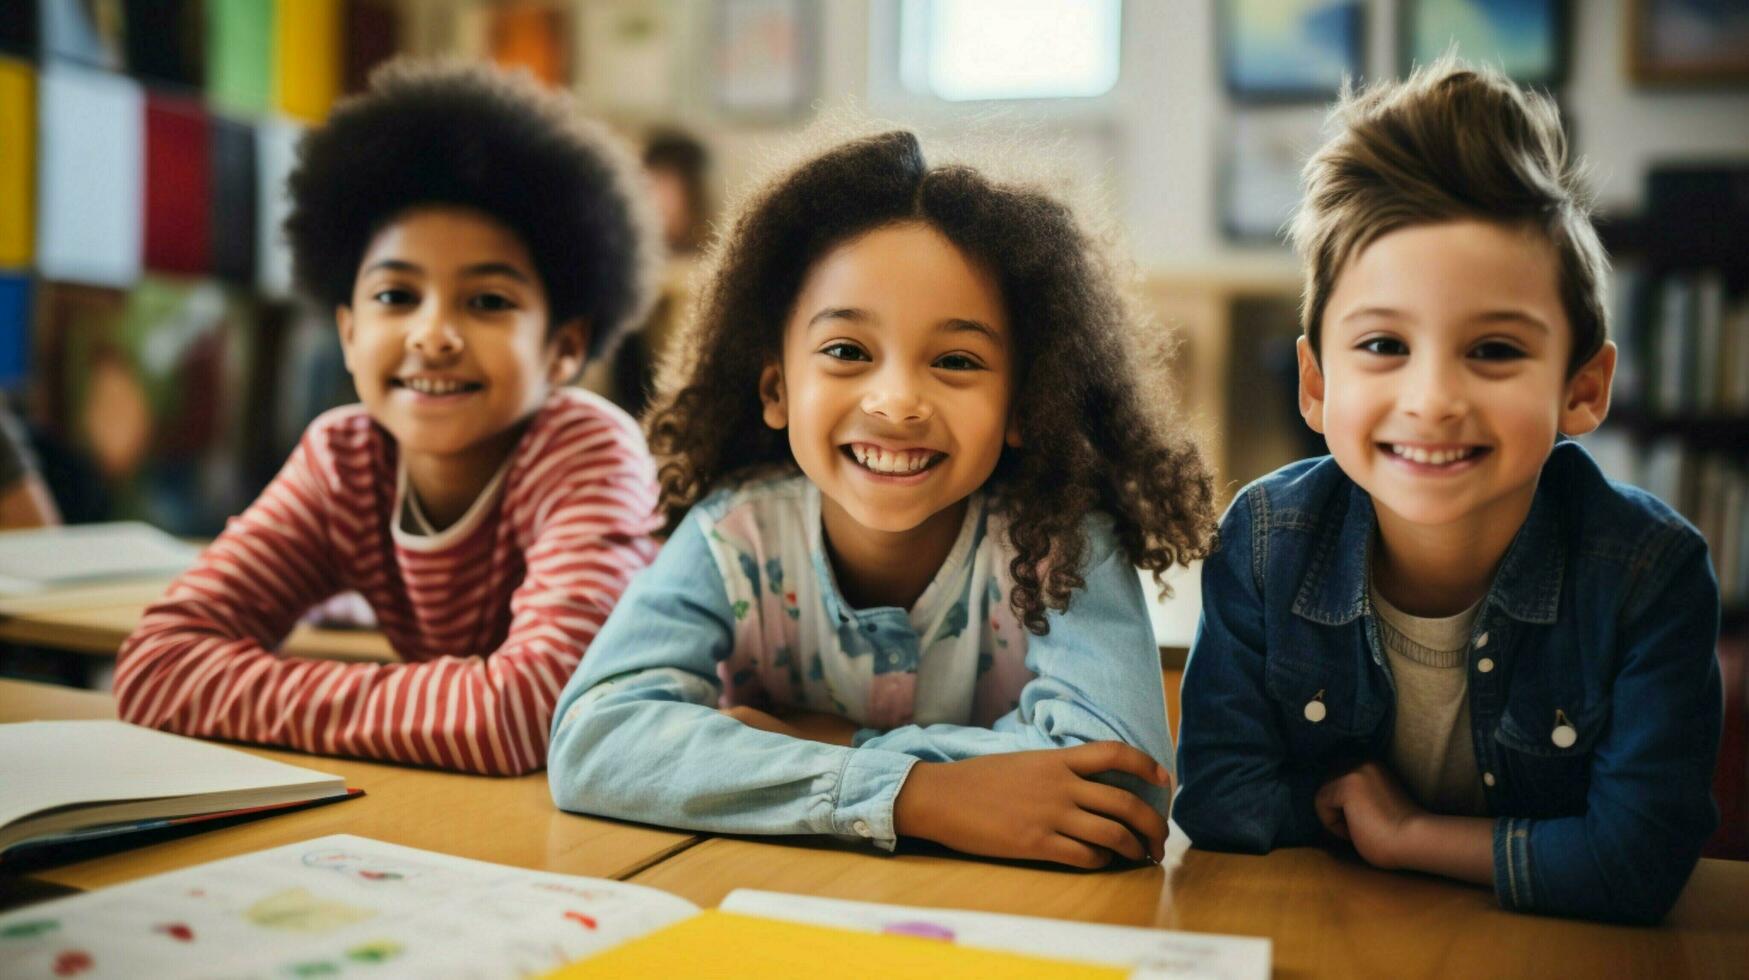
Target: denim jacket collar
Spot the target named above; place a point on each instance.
(1527, 586)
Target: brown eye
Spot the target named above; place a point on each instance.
(491, 303)
(958, 362)
(1383, 346)
(1496, 350)
(844, 351)
(394, 297)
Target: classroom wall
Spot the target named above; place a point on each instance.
(1153, 143)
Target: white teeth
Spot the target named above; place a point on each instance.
(434, 386)
(887, 461)
(1435, 457)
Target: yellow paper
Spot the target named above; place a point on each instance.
(727, 946)
(306, 57)
(17, 164)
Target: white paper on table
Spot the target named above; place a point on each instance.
(90, 176)
(55, 773)
(339, 905)
(42, 558)
(1149, 953)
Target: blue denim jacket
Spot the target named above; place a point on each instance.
(637, 734)
(1603, 617)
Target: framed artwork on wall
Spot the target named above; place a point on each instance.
(1259, 170)
(629, 57)
(1689, 42)
(1290, 50)
(764, 57)
(1527, 39)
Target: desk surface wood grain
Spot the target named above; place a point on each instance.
(96, 619)
(1327, 915)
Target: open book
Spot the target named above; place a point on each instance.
(343, 904)
(64, 780)
(37, 559)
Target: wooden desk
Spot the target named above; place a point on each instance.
(1327, 916)
(96, 619)
(508, 821)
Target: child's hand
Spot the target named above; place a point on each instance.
(814, 726)
(1038, 806)
(1366, 806)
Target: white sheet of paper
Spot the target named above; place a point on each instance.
(1149, 953)
(339, 905)
(50, 765)
(43, 558)
(90, 176)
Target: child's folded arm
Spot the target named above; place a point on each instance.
(1234, 790)
(637, 734)
(1097, 679)
(201, 662)
(1649, 807)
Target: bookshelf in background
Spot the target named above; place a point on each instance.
(1680, 423)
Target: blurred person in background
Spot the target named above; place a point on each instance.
(24, 497)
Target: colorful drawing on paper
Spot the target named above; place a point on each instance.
(919, 930)
(380, 951)
(296, 910)
(586, 894)
(334, 907)
(178, 931)
(29, 930)
(359, 866)
(73, 962)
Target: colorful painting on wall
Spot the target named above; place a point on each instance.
(1290, 50)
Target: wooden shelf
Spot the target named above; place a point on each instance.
(1704, 430)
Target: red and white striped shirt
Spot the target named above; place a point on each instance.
(490, 617)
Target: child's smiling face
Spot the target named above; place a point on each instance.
(897, 377)
(1444, 380)
(446, 336)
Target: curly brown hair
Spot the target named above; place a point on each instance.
(443, 132)
(1089, 440)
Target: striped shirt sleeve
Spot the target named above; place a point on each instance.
(201, 664)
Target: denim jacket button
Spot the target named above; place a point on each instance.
(1484, 665)
(861, 828)
(1314, 711)
(1487, 779)
(1564, 736)
(1482, 641)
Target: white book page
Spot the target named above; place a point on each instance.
(333, 906)
(42, 558)
(49, 764)
(1149, 953)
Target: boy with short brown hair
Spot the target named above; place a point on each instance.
(1452, 642)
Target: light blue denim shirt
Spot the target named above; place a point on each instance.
(741, 607)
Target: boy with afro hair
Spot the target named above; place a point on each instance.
(477, 243)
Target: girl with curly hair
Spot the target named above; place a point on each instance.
(908, 468)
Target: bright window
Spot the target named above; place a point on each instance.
(971, 50)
